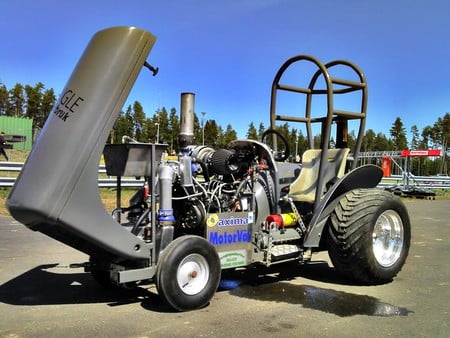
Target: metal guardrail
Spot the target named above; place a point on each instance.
(428, 182)
(16, 167)
(11, 166)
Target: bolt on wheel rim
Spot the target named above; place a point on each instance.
(193, 274)
(388, 238)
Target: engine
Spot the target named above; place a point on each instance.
(202, 181)
(212, 181)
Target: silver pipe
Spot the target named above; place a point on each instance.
(186, 136)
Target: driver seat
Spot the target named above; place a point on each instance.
(303, 189)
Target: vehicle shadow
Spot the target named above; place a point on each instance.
(51, 284)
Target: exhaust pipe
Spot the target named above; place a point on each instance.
(186, 136)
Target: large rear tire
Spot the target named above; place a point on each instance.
(188, 273)
(369, 235)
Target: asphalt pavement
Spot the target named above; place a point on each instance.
(41, 296)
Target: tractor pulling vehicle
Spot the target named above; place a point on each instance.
(207, 210)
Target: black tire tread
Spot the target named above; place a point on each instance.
(166, 282)
(350, 229)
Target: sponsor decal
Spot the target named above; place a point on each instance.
(229, 221)
(68, 104)
(233, 259)
(229, 230)
(232, 237)
(212, 220)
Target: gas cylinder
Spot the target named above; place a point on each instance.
(283, 220)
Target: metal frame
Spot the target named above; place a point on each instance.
(334, 86)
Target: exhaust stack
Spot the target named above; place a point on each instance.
(186, 136)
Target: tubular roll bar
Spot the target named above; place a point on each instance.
(333, 86)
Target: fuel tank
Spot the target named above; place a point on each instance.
(57, 190)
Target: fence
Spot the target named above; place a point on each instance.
(16, 167)
(428, 182)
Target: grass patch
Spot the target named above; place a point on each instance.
(108, 197)
(17, 155)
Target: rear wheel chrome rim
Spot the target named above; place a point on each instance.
(388, 238)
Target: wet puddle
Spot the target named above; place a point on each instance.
(340, 303)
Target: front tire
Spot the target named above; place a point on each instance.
(369, 236)
(188, 273)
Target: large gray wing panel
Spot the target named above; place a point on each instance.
(57, 190)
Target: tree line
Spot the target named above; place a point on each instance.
(36, 102)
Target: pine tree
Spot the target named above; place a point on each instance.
(212, 133)
(228, 136)
(425, 142)
(47, 103)
(138, 121)
(415, 137)
(398, 134)
(163, 120)
(441, 136)
(261, 130)
(251, 132)
(124, 126)
(302, 143)
(33, 100)
(16, 101)
(174, 130)
(4, 99)
(368, 142)
(381, 143)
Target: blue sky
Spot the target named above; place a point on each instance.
(227, 52)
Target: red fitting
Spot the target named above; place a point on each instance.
(277, 219)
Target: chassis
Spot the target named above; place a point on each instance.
(207, 210)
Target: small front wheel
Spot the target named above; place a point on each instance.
(188, 273)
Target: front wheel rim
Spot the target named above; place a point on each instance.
(388, 238)
(193, 274)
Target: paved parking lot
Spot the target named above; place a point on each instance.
(40, 296)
